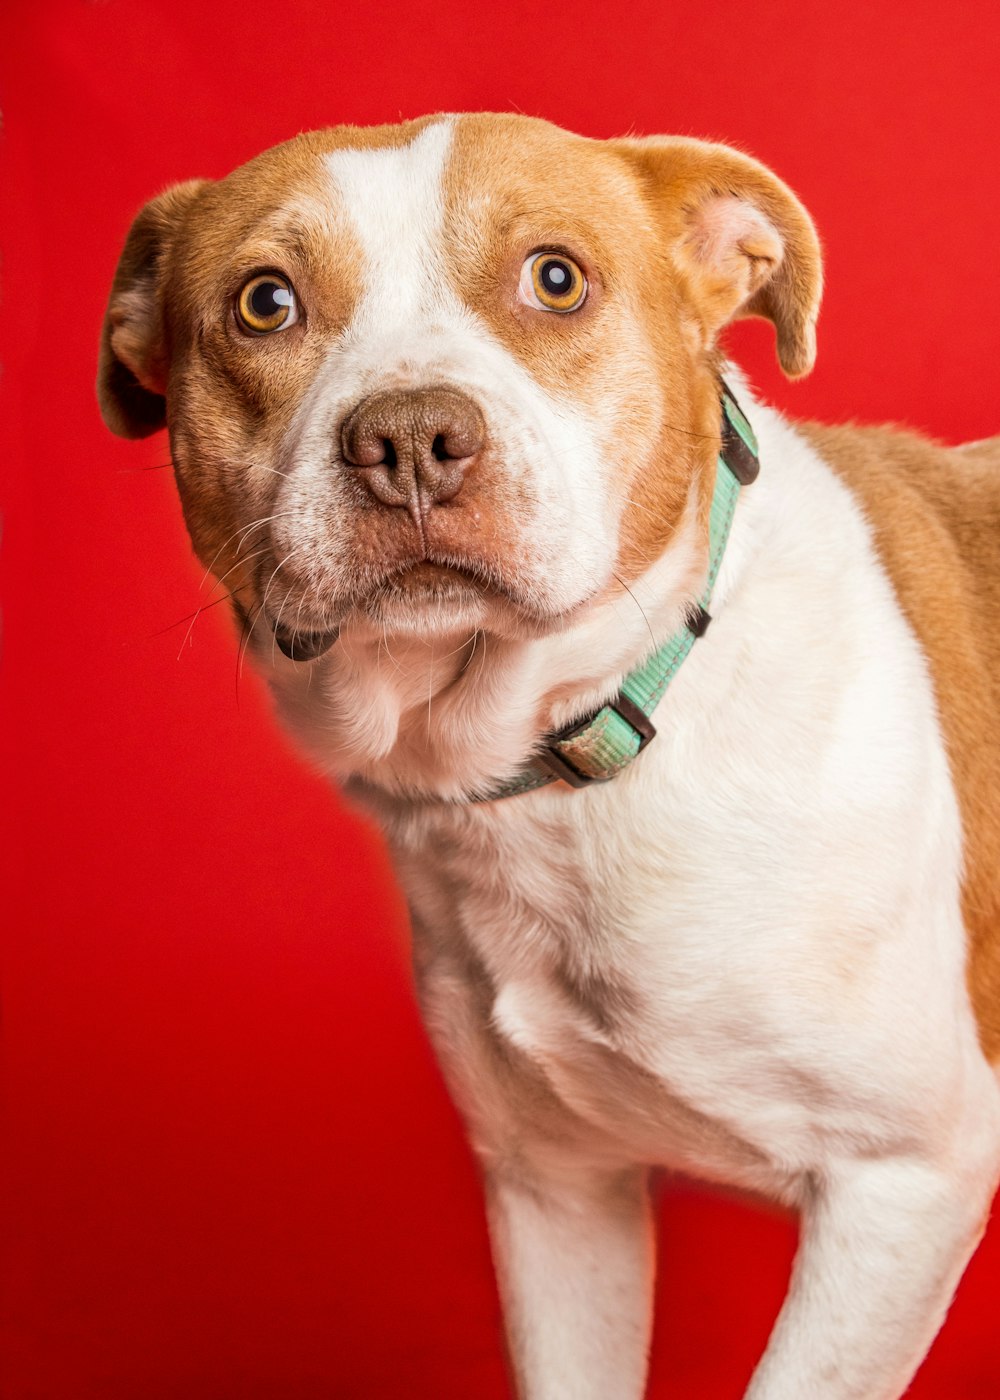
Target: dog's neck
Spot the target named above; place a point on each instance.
(450, 717)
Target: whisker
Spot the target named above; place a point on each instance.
(461, 646)
(298, 618)
(639, 506)
(388, 652)
(279, 614)
(215, 585)
(635, 600)
(245, 560)
(689, 432)
(277, 571)
(204, 608)
(248, 627)
(242, 531)
(263, 602)
(259, 467)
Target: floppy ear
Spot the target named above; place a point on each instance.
(132, 367)
(743, 240)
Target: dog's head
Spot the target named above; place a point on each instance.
(457, 373)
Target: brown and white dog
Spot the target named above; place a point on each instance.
(443, 400)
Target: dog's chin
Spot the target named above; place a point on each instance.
(424, 599)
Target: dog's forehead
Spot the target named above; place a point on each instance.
(392, 198)
(446, 176)
(475, 158)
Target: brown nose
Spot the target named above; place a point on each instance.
(413, 447)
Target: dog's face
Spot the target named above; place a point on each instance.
(454, 374)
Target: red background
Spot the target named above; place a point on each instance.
(234, 1172)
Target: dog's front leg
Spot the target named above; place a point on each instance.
(884, 1243)
(574, 1257)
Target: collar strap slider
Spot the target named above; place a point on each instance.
(555, 756)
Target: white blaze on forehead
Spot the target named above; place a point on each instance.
(394, 200)
(411, 327)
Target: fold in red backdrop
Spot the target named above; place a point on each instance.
(232, 1168)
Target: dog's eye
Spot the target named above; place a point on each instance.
(552, 282)
(267, 303)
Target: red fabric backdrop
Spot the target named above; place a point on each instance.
(234, 1172)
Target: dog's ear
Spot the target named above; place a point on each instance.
(132, 366)
(745, 244)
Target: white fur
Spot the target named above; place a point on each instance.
(411, 329)
(744, 957)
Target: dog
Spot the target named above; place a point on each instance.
(682, 720)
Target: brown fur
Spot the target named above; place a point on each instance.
(935, 516)
(699, 273)
(514, 187)
(676, 237)
(650, 214)
(640, 211)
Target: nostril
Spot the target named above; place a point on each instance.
(413, 445)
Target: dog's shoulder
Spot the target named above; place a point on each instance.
(934, 513)
(910, 485)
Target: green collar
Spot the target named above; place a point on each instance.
(598, 747)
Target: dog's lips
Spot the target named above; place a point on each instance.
(431, 578)
(304, 646)
(420, 592)
(434, 581)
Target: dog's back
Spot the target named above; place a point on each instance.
(935, 514)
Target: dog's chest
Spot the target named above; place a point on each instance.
(542, 964)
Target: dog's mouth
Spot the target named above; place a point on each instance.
(421, 589)
(421, 598)
(297, 643)
(428, 582)
(304, 646)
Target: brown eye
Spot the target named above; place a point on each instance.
(552, 282)
(267, 303)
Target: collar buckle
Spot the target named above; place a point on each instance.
(556, 761)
